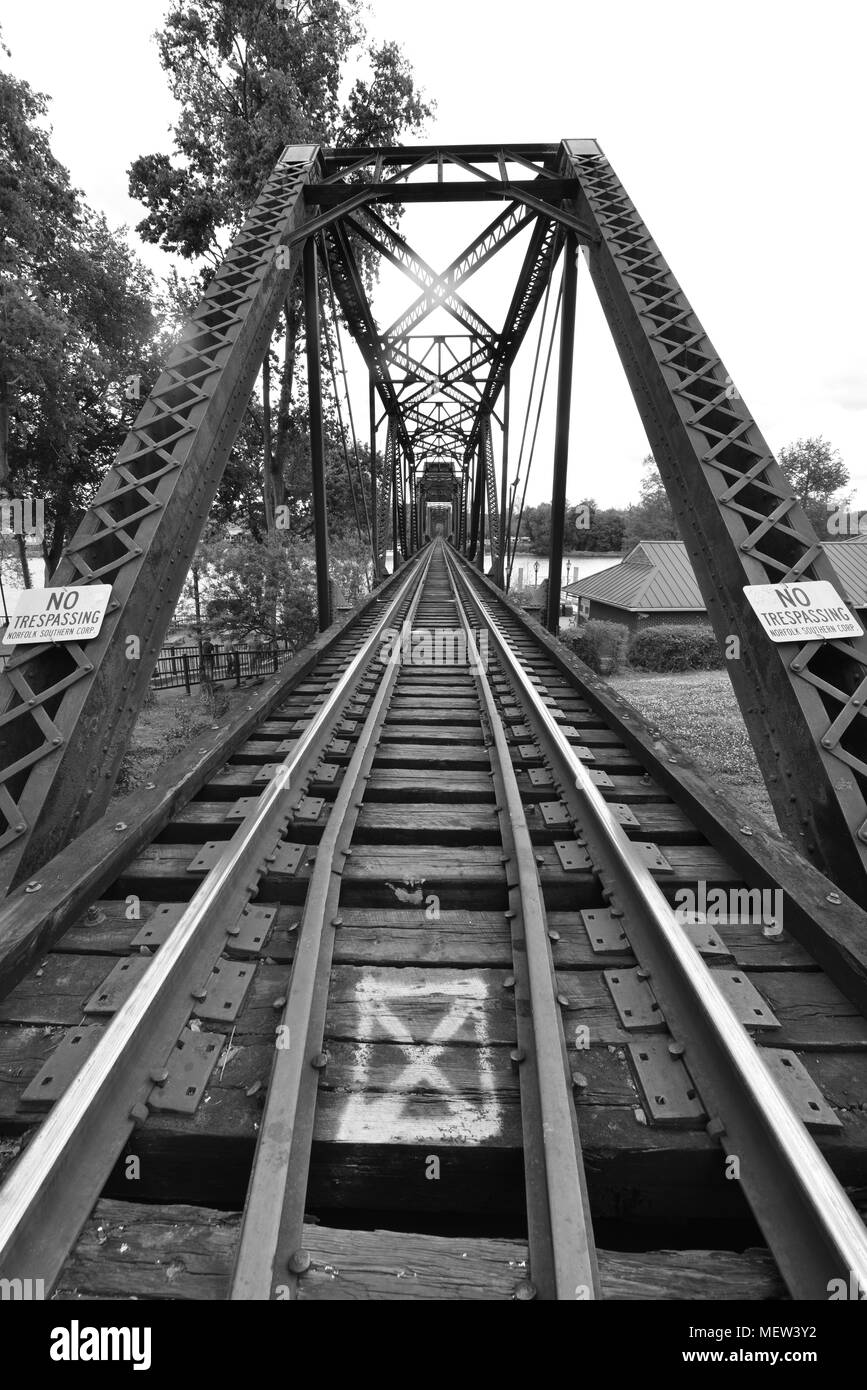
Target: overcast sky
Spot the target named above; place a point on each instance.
(738, 130)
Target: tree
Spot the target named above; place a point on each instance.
(252, 77)
(77, 326)
(816, 472)
(591, 527)
(536, 526)
(652, 519)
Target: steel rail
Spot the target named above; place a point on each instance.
(560, 1227)
(812, 1228)
(271, 1230)
(51, 1190)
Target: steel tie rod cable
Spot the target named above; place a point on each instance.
(51, 1189)
(811, 1226)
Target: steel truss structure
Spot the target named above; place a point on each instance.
(442, 394)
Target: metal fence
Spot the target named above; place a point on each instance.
(182, 666)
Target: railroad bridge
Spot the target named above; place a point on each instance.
(410, 981)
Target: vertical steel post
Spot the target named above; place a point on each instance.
(500, 573)
(373, 497)
(561, 438)
(317, 438)
(483, 497)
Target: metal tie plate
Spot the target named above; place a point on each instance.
(338, 745)
(748, 1004)
(528, 750)
(267, 771)
(634, 1000)
(240, 809)
(286, 745)
(584, 755)
(192, 1060)
(56, 1073)
(160, 925)
(669, 1097)
(298, 726)
(287, 858)
(555, 813)
(225, 990)
(521, 731)
(623, 813)
(801, 1090)
(250, 932)
(604, 931)
(326, 772)
(117, 986)
(209, 855)
(572, 856)
(653, 857)
(706, 940)
(541, 776)
(347, 726)
(569, 731)
(599, 778)
(308, 808)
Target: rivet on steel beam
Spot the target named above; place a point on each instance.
(525, 1292)
(715, 1128)
(833, 898)
(509, 982)
(540, 859)
(93, 916)
(198, 994)
(642, 974)
(320, 1061)
(33, 887)
(676, 1049)
(159, 1078)
(518, 1054)
(827, 741)
(579, 1081)
(121, 825)
(21, 828)
(745, 830)
(57, 740)
(299, 1262)
(554, 935)
(139, 1113)
(616, 912)
(337, 922)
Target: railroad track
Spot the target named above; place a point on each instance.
(387, 997)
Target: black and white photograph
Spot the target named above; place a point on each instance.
(433, 676)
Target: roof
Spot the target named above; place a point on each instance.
(656, 576)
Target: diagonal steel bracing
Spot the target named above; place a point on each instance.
(68, 710)
(803, 704)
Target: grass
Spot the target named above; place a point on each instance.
(698, 710)
(166, 726)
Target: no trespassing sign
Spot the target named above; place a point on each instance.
(57, 615)
(807, 612)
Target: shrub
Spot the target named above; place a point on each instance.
(600, 645)
(692, 647)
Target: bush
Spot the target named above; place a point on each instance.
(692, 647)
(600, 645)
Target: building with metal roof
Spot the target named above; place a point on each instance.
(655, 583)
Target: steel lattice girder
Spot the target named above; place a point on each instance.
(803, 704)
(69, 710)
